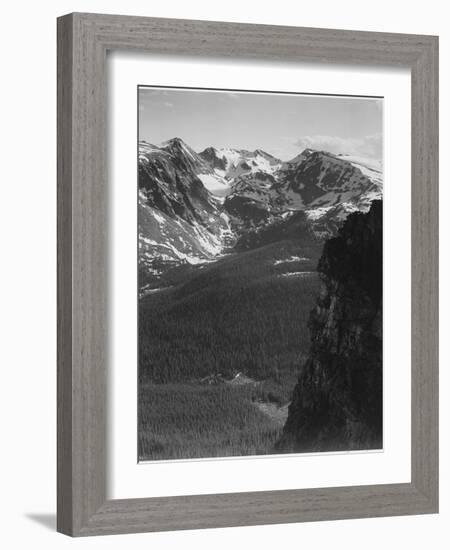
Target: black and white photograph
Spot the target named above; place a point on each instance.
(260, 269)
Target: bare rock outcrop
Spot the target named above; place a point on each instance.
(337, 402)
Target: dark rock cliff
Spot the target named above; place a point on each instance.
(211, 156)
(337, 402)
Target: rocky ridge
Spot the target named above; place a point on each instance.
(337, 402)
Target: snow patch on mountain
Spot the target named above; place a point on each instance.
(297, 274)
(317, 213)
(174, 241)
(291, 260)
(371, 168)
(216, 184)
(231, 163)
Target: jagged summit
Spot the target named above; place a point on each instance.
(266, 155)
(177, 145)
(174, 141)
(323, 179)
(233, 163)
(300, 157)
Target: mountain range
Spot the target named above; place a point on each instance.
(194, 208)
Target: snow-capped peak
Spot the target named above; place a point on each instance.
(231, 163)
(176, 144)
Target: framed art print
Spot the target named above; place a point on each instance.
(247, 274)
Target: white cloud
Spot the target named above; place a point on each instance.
(368, 146)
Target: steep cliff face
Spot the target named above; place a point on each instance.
(337, 402)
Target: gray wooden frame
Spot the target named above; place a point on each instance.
(83, 40)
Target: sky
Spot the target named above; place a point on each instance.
(281, 124)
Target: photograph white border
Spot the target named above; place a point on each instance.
(127, 478)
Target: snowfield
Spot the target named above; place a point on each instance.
(291, 260)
